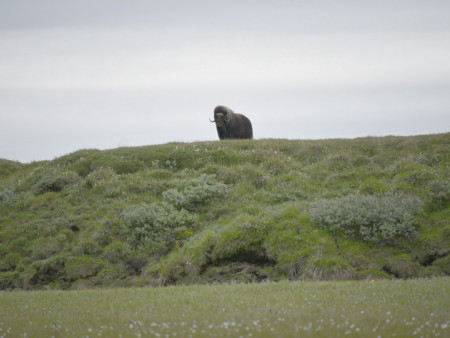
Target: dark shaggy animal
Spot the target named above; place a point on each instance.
(231, 125)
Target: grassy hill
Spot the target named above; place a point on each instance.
(212, 212)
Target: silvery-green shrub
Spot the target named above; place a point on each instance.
(156, 225)
(6, 196)
(199, 192)
(371, 218)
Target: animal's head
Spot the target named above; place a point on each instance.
(222, 116)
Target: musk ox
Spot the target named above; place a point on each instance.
(231, 125)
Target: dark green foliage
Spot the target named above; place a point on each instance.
(44, 271)
(10, 280)
(238, 210)
(402, 266)
(443, 264)
(371, 218)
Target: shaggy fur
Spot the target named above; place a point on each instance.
(231, 125)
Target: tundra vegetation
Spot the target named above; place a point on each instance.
(369, 308)
(230, 211)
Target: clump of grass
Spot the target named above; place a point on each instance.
(119, 164)
(371, 218)
(81, 267)
(328, 268)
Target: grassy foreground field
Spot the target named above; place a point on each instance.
(401, 308)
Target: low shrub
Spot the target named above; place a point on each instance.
(200, 191)
(117, 252)
(372, 218)
(50, 180)
(444, 264)
(6, 196)
(439, 193)
(44, 271)
(157, 226)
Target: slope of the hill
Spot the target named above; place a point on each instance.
(228, 211)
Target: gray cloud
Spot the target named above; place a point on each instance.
(83, 74)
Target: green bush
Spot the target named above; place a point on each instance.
(371, 218)
(444, 264)
(200, 191)
(44, 271)
(117, 252)
(6, 196)
(156, 225)
(439, 192)
(48, 179)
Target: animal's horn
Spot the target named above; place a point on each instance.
(211, 121)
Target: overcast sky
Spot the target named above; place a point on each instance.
(109, 73)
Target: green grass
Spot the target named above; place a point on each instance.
(237, 210)
(402, 308)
